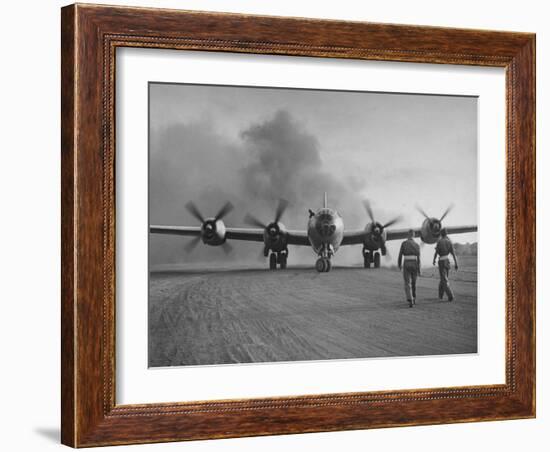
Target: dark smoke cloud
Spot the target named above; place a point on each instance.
(269, 160)
(285, 162)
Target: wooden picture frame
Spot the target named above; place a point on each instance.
(90, 35)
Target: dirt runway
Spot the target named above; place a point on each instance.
(256, 315)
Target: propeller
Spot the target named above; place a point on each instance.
(227, 247)
(451, 206)
(192, 244)
(279, 212)
(381, 227)
(253, 221)
(433, 220)
(194, 210)
(226, 208)
(208, 225)
(283, 204)
(272, 230)
(424, 214)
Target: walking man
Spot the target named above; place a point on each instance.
(443, 248)
(409, 260)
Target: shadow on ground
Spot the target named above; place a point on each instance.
(50, 433)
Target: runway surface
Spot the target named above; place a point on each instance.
(255, 315)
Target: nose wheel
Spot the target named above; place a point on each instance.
(323, 265)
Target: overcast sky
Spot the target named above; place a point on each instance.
(252, 146)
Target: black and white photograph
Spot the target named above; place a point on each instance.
(299, 224)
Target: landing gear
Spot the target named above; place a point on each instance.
(323, 265)
(377, 260)
(366, 259)
(282, 258)
(273, 261)
(371, 258)
(320, 265)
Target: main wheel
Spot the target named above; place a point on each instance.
(282, 261)
(273, 261)
(376, 260)
(366, 260)
(320, 265)
(328, 265)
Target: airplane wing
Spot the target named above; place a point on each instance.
(257, 235)
(298, 238)
(245, 234)
(398, 234)
(176, 230)
(356, 237)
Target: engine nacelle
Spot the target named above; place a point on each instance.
(275, 237)
(213, 232)
(375, 237)
(430, 231)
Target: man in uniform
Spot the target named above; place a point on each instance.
(443, 248)
(409, 260)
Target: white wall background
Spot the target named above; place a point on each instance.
(29, 230)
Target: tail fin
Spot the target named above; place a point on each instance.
(325, 205)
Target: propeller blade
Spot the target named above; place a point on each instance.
(391, 222)
(192, 244)
(368, 208)
(227, 247)
(193, 210)
(253, 221)
(446, 212)
(226, 208)
(283, 204)
(422, 211)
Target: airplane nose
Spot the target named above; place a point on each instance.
(327, 229)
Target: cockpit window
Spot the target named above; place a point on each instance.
(325, 216)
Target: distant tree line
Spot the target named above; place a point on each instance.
(466, 249)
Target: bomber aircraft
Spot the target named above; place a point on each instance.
(325, 234)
